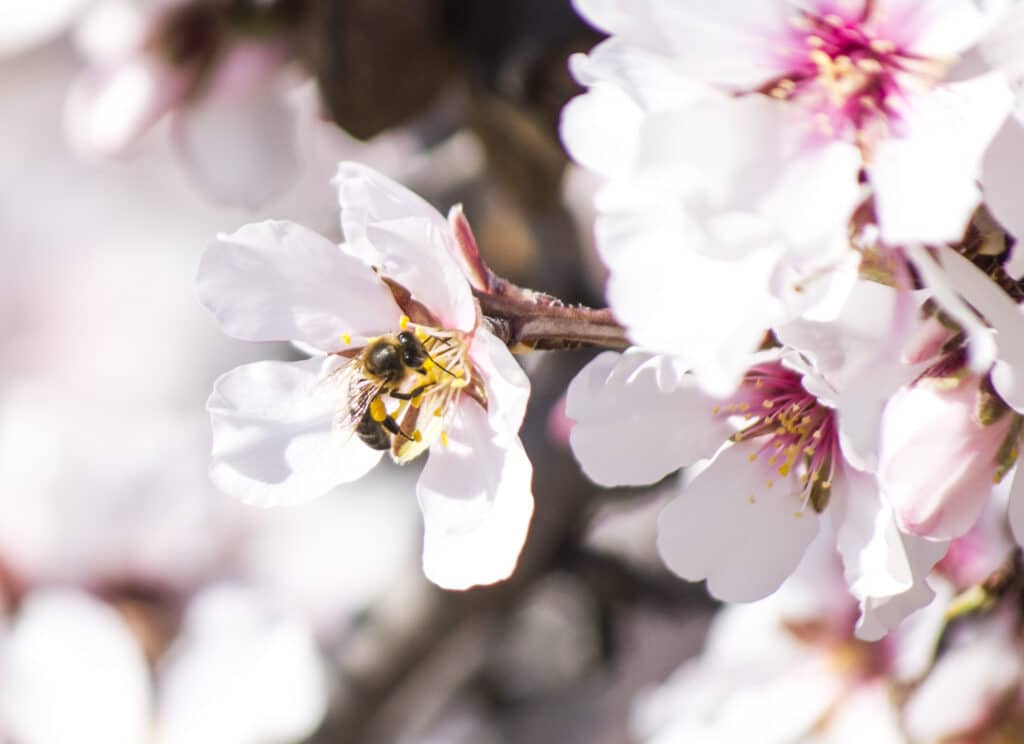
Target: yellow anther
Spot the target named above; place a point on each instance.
(803, 479)
(377, 410)
(716, 410)
(869, 65)
(768, 404)
(815, 42)
(744, 407)
(428, 364)
(444, 439)
(769, 483)
(809, 451)
(752, 499)
(421, 334)
(403, 322)
(752, 457)
(346, 339)
(772, 460)
(833, 20)
(438, 411)
(799, 515)
(826, 484)
(800, 22)
(882, 46)
(759, 383)
(415, 402)
(817, 434)
(784, 469)
(417, 436)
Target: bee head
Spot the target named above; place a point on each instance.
(413, 353)
(384, 358)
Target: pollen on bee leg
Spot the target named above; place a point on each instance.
(378, 412)
(403, 322)
(417, 436)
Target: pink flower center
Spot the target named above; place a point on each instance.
(852, 79)
(796, 434)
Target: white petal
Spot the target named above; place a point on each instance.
(1002, 313)
(273, 442)
(239, 674)
(602, 115)
(74, 673)
(1000, 175)
(932, 28)
(729, 527)
(885, 569)
(240, 150)
(639, 416)
(1015, 507)
(279, 281)
(477, 503)
(867, 713)
(392, 228)
(926, 180)
(508, 387)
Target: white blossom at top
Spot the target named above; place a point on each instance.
(285, 432)
(741, 139)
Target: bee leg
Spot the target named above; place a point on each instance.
(414, 393)
(392, 426)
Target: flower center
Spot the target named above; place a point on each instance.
(795, 433)
(852, 80)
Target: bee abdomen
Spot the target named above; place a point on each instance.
(373, 433)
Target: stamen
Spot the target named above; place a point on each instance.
(403, 322)
(346, 339)
(444, 438)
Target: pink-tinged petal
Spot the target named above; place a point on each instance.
(639, 416)
(241, 151)
(261, 669)
(1002, 313)
(467, 252)
(475, 492)
(729, 527)
(108, 110)
(389, 227)
(277, 281)
(1000, 175)
(507, 386)
(73, 672)
(937, 461)
(925, 181)
(273, 443)
(967, 684)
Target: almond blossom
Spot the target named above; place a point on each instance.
(748, 137)
(782, 467)
(284, 432)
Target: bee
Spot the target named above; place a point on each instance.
(393, 366)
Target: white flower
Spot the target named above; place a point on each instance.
(735, 137)
(284, 432)
(745, 520)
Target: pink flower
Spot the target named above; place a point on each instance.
(286, 432)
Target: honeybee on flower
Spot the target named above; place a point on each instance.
(401, 362)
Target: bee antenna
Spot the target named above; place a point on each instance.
(438, 364)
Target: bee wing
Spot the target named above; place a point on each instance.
(353, 393)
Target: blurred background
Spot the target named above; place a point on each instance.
(140, 605)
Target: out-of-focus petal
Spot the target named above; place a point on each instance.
(729, 527)
(273, 442)
(240, 150)
(1001, 171)
(277, 281)
(389, 227)
(109, 109)
(73, 672)
(240, 674)
(27, 24)
(639, 416)
(926, 181)
(476, 496)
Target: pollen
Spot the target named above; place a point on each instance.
(444, 439)
(377, 410)
(816, 42)
(416, 402)
(403, 322)
(769, 483)
(882, 46)
(751, 499)
(752, 457)
(716, 410)
(438, 411)
(417, 436)
(346, 339)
